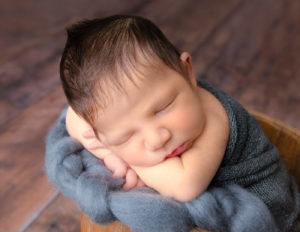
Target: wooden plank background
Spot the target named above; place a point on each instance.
(248, 48)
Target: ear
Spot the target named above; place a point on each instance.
(187, 64)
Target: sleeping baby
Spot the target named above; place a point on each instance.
(136, 104)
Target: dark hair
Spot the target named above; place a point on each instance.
(101, 50)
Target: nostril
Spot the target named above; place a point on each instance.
(157, 140)
(150, 146)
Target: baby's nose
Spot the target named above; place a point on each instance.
(156, 139)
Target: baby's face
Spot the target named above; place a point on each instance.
(162, 116)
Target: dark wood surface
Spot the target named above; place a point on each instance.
(249, 48)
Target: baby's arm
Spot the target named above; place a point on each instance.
(187, 176)
(82, 131)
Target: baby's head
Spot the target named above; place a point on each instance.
(111, 64)
(101, 53)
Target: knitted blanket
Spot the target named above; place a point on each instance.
(251, 191)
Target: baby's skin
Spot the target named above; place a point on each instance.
(79, 129)
(165, 132)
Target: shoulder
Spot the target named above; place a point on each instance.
(216, 114)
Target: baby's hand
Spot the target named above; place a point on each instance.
(132, 180)
(121, 169)
(94, 145)
(112, 161)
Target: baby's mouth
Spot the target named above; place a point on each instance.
(176, 151)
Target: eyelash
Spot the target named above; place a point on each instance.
(124, 141)
(165, 107)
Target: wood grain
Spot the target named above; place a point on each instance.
(31, 49)
(24, 189)
(61, 215)
(249, 48)
(253, 57)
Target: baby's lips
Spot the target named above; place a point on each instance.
(177, 151)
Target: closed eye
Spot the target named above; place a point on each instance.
(123, 140)
(165, 107)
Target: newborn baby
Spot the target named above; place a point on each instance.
(164, 131)
(135, 103)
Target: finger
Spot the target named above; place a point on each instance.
(121, 171)
(101, 153)
(130, 180)
(95, 144)
(88, 134)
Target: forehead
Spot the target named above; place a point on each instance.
(116, 83)
(137, 95)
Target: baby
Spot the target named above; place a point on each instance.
(160, 128)
(135, 103)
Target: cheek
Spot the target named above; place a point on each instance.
(187, 120)
(130, 154)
